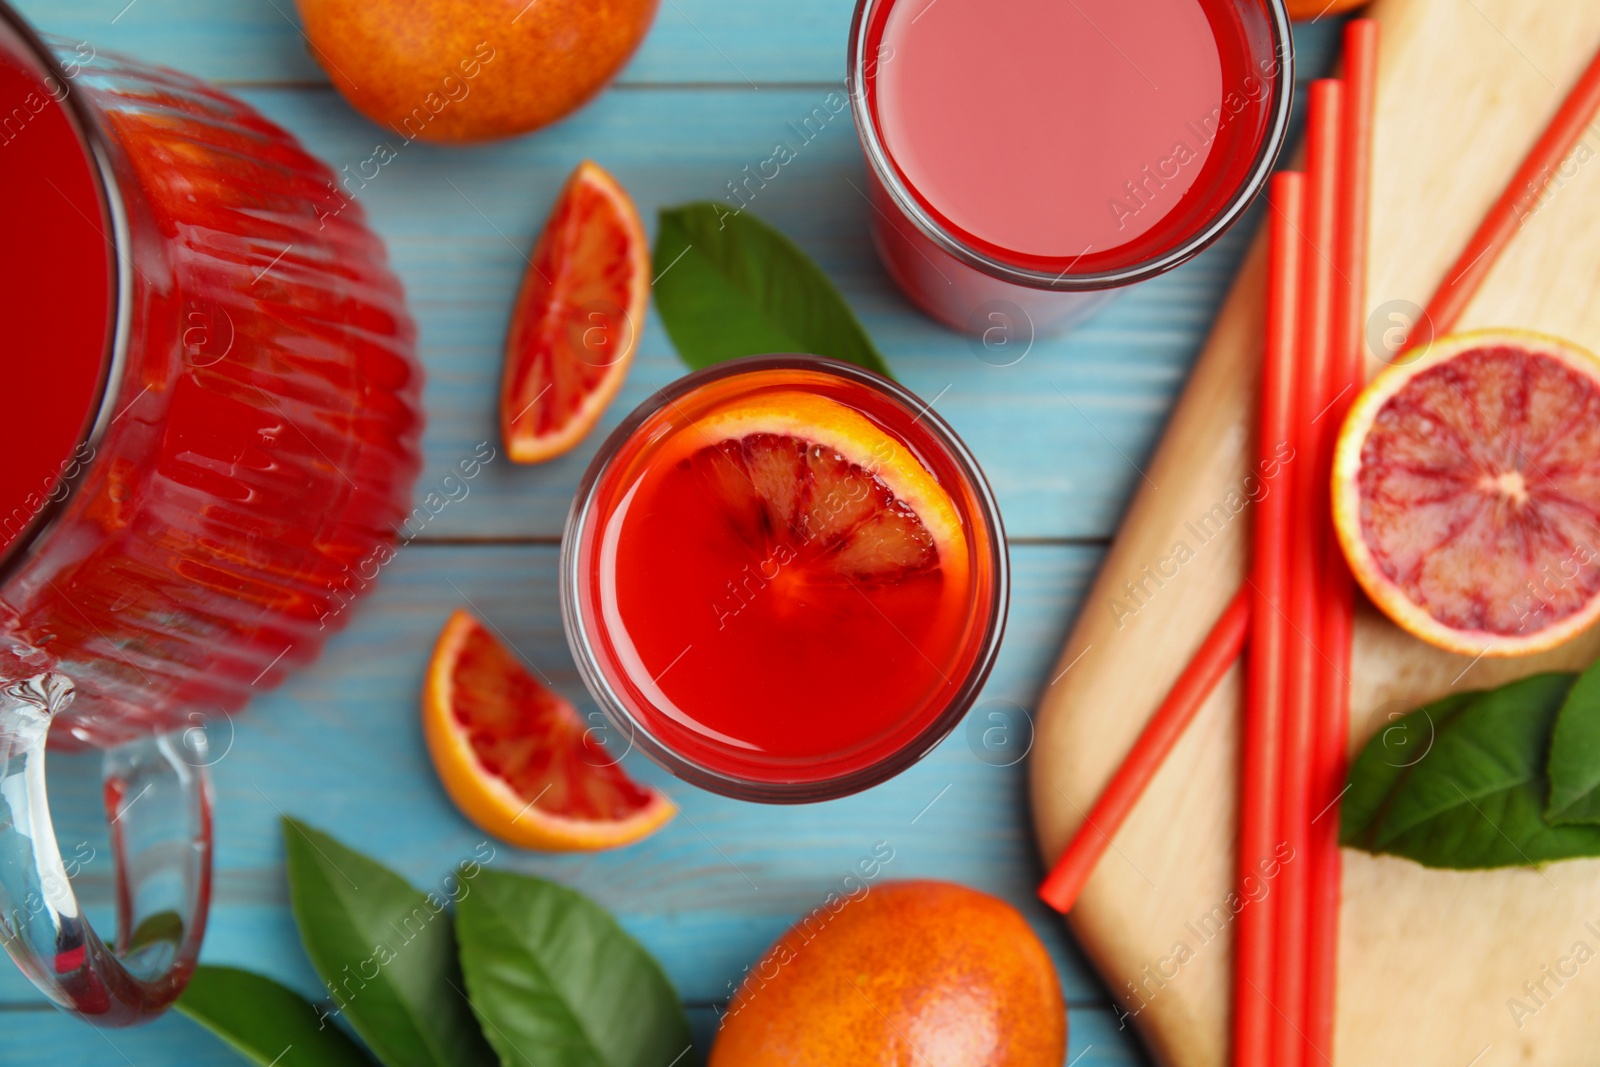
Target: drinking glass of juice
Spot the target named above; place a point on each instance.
(784, 578)
(1028, 158)
(209, 436)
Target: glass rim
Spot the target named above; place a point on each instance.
(616, 709)
(113, 361)
(883, 169)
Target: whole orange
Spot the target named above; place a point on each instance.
(906, 974)
(471, 70)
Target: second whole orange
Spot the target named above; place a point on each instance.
(902, 974)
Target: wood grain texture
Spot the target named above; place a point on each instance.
(1429, 961)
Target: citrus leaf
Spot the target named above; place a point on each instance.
(1472, 792)
(1388, 756)
(266, 1023)
(386, 952)
(1575, 755)
(157, 926)
(728, 285)
(557, 983)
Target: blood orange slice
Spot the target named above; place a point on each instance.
(801, 472)
(1466, 492)
(517, 759)
(577, 318)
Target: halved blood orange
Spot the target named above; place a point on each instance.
(1466, 492)
(577, 318)
(517, 759)
(803, 470)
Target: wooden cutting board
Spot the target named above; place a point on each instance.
(1431, 963)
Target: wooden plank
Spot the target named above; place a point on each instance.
(47, 1037)
(458, 225)
(340, 746)
(459, 222)
(257, 41)
(254, 42)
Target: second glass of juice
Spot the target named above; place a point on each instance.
(784, 578)
(1028, 158)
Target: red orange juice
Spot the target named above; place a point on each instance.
(1046, 152)
(784, 578)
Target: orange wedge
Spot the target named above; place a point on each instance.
(857, 442)
(802, 470)
(1466, 492)
(577, 318)
(517, 759)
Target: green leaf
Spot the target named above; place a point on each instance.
(264, 1022)
(1471, 791)
(386, 952)
(557, 983)
(156, 927)
(729, 285)
(1390, 754)
(1575, 755)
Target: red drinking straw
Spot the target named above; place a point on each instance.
(1514, 207)
(1302, 653)
(1346, 374)
(1060, 890)
(1259, 796)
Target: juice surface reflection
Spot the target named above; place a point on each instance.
(786, 576)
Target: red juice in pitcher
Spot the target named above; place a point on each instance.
(785, 578)
(202, 336)
(209, 437)
(1061, 147)
(55, 296)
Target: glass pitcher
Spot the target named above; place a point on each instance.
(211, 425)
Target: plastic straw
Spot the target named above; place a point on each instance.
(1346, 376)
(1515, 206)
(1259, 795)
(1221, 648)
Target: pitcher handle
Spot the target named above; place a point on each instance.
(157, 796)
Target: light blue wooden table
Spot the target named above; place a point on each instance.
(1060, 435)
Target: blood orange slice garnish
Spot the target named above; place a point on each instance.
(517, 759)
(800, 473)
(1466, 492)
(577, 318)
